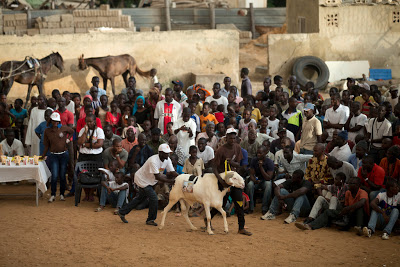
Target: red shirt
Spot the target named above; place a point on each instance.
(66, 117)
(377, 176)
(81, 123)
(219, 116)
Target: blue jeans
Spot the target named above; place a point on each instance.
(58, 168)
(306, 152)
(146, 192)
(377, 218)
(265, 186)
(115, 199)
(299, 206)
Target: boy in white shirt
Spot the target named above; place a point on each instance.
(115, 192)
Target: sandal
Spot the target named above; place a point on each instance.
(99, 209)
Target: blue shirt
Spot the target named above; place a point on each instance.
(245, 159)
(179, 169)
(40, 130)
(21, 115)
(353, 161)
(99, 94)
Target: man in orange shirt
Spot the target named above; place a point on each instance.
(372, 177)
(391, 164)
(206, 117)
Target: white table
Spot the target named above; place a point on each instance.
(40, 173)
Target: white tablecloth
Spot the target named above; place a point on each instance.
(13, 173)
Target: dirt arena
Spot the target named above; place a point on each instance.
(62, 234)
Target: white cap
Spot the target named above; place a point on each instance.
(164, 148)
(55, 116)
(231, 130)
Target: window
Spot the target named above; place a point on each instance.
(332, 20)
(396, 17)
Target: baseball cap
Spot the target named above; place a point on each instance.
(178, 82)
(231, 130)
(164, 148)
(55, 116)
(281, 129)
(309, 106)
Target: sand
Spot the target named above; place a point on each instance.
(61, 234)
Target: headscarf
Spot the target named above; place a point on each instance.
(82, 113)
(131, 127)
(135, 107)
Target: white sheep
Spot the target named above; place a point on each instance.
(206, 192)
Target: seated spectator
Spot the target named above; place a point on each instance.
(177, 167)
(263, 126)
(267, 145)
(147, 129)
(155, 140)
(391, 163)
(356, 122)
(261, 176)
(251, 145)
(168, 134)
(193, 165)
(244, 123)
(295, 195)
(113, 116)
(116, 152)
(177, 149)
(317, 171)
(335, 117)
(248, 103)
(130, 140)
(206, 117)
(294, 117)
(276, 144)
(221, 131)
(356, 158)
(354, 213)
(385, 211)
(283, 123)
(292, 161)
(336, 166)
(12, 147)
(273, 122)
(372, 177)
(341, 151)
(209, 135)
(205, 152)
(140, 153)
(115, 192)
(109, 137)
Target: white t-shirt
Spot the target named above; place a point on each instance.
(273, 125)
(289, 134)
(16, 145)
(355, 121)
(159, 113)
(378, 129)
(71, 107)
(338, 116)
(222, 100)
(111, 176)
(341, 153)
(392, 201)
(206, 155)
(145, 176)
(98, 135)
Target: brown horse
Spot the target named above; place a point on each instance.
(21, 72)
(112, 66)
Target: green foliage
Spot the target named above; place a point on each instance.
(276, 3)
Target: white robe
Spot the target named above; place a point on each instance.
(183, 136)
(37, 117)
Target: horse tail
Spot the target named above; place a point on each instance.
(142, 73)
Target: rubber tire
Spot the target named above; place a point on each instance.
(319, 64)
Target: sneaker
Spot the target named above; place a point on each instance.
(385, 236)
(52, 198)
(367, 232)
(62, 198)
(268, 216)
(122, 217)
(303, 226)
(153, 223)
(290, 219)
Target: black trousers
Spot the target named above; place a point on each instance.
(236, 195)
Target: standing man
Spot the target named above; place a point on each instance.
(185, 129)
(218, 97)
(131, 85)
(311, 131)
(246, 88)
(178, 87)
(231, 153)
(227, 85)
(167, 110)
(147, 177)
(95, 83)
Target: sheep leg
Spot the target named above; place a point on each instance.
(208, 216)
(221, 210)
(165, 212)
(185, 212)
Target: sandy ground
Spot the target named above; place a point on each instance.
(62, 234)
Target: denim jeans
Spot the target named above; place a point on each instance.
(58, 168)
(266, 187)
(376, 219)
(299, 206)
(115, 199)
(306, 152)
(146, 192)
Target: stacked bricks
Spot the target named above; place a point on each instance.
(85, 20)
(56, 24)
(15, 24)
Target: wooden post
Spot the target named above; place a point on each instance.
(212, 16)
(29, 18)
(167, 15)
(252, 21)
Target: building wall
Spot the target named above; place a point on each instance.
(380, 49)
(307, 9)
(176, 55)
